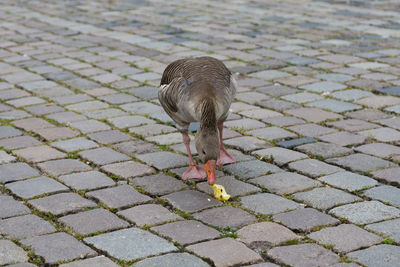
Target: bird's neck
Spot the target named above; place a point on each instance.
(208, 119)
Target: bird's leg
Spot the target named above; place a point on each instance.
(224, 156)
(194, 171)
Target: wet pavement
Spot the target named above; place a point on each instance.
(90, 164)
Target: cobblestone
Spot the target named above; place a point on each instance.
(250, 169)
(86, 180)
(75, 144)
(186, 232)
(19, 142)
(119, 197)
(311, 129)
(103, 155)
(61, 203)
(58, 247)
(173, 259)
(10, 207)
(96, 261)
(313, 168)
(268, 204)
(6, 158)
(164, 160)
(272, 133)
(159, 184)
(381, 255)
(128, 169)
(345, 237)
(379, 150)
(361, 162)
(348, 181)
(389, 228)
(385, 193)
(366, 212)
(63, 166)
(305, 219)
(225, 252)
(35, 187)
(148, 215)
(324, 150)
(11, 253)
(263, 234)
(16, 171)
(92, 221)
(25, 226)
(225, 217)
(343, 138)
(9, 131)
(130, 244)
(304, 255)
(39, 153)
(389, 175)
(285, 182)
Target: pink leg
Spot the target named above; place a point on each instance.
(194, 171)
(224, 156)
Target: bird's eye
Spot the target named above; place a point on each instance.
(204, 152)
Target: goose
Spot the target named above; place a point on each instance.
(199, 89)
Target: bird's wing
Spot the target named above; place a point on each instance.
(169, 94)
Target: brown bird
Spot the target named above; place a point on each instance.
(199, 89)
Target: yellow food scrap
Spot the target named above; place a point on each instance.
(220, 192)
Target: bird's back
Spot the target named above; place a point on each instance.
(198, 70)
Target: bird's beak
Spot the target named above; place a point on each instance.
(210, 167)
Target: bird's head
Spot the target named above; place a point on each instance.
(207, 145)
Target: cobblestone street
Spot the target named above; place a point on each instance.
(90, 164)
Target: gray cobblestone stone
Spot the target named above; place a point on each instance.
(285, 182)
(25, 226)
(149, 214)
(11, 253)
(276, 204)
(119, 197)
(130, 244)
(175, 259)
(349, 181)
(10, 207)
(264, 234)
(225, 252)
(35, 187)
(61, 203)
(16, 171)
(366, 212)
(304, 219)
(63, 166)
(345, 237)
(325, 197)
(103, 155)
(92, 221)
(58, 247)
(297, 255)
(381, 255)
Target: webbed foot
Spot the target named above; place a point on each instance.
(194, 172)
(225, 157)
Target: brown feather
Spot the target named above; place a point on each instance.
(193, 70)
(208, 116)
